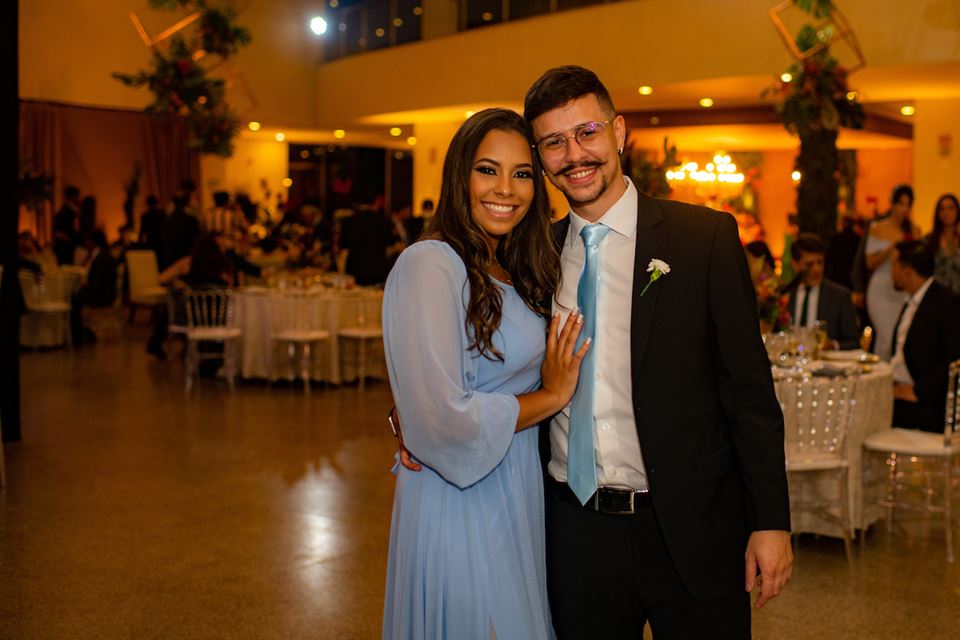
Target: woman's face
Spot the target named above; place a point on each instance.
(947, 212)
(901, 208)
(501, 182)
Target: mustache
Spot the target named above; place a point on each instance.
(584, 164)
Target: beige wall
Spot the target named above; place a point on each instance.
(253, 161)
(937, 169)
(68, 49)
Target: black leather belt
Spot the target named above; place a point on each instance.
(605, 500)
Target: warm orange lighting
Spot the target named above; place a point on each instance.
(468, 114)
(287, 182)
(417, 11)
(723, 171)
(411, 141)
(706, 103)
(645, 90)
(795, 176)
(280, 137)
(786, 77)
(304, 154)
(908, 110)
(254, 126)
(339, 134)
(487, 16)
(396, 131)
(852, 95)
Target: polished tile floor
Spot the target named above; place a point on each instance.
(133, 511)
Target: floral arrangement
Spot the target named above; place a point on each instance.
(181, 86)
(773, 306)
(649, 176)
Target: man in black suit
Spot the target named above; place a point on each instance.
(151, 225)
(365, 237)
(99, 290)
(926, 341)
(179, 232)
(691, 493)
(816, 298)
(66, 235)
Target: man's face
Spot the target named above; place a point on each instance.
(812, 265)
(583, 171)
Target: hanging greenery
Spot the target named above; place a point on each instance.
(814, 101)
(182, 86)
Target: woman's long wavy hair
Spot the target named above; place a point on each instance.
(528, 252)
(938, 227)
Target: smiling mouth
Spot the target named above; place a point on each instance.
(500, 210)
(581, 174)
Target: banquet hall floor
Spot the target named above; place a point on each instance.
(133, 511)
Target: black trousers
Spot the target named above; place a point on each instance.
(913, 415)
(610, 575)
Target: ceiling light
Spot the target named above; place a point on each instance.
(795, 176)
(908, 110)
(339, 134)
(287, 182)
(253, 126)
(417, 11)
(411, 141)
(706, 103)
(852, 95)
(396, 131)
(645, 90)
(280, 137)
(786, 77)
(318, 25)
(304, 154)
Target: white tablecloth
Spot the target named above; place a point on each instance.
(873, 412)
(259, 311)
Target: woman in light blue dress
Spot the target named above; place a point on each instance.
(473, 371)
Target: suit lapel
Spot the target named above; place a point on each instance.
(651, 243)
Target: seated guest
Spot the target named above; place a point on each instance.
(179, 232)
(761, 262)
(99, 290)
(29, 254)
(816, 298)
(926, 340)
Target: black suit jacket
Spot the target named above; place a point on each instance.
(933, 342)
(835, 307)
(178, 235)
(65, 234)
(100, 289)
(708, 421)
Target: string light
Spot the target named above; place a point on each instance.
(722, 169)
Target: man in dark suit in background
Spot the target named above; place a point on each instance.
(66, 235)
(668, 494)
(179, 232)
(926, 341)
(365, 237)
(99, 289)
(151, 225)
(816, 298)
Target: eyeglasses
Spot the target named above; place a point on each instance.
(586, 135)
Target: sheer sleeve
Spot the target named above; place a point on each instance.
(448, 425)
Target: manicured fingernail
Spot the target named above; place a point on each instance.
(588, 341)
(579, 319)
(556, 314)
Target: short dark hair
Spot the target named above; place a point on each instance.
(917, 255)
(807, 243)
(221, 198)
(560, 85)
(71, 192)
(427, 204)
(899, 191)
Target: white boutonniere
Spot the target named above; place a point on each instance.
(657, 268)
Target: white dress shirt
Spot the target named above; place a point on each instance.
(901, 374)
(812, 306)
(617, 447)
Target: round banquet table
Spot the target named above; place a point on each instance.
(260, 311)
(873, 412)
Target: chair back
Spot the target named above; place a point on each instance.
(208, 308)
(39, 288)
(951, 427)
(817, 412)
(142, 269)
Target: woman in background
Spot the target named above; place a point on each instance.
(945, 242)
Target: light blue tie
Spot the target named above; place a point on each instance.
(581, 465)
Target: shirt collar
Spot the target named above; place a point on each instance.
(917, 298)
(621, 217)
